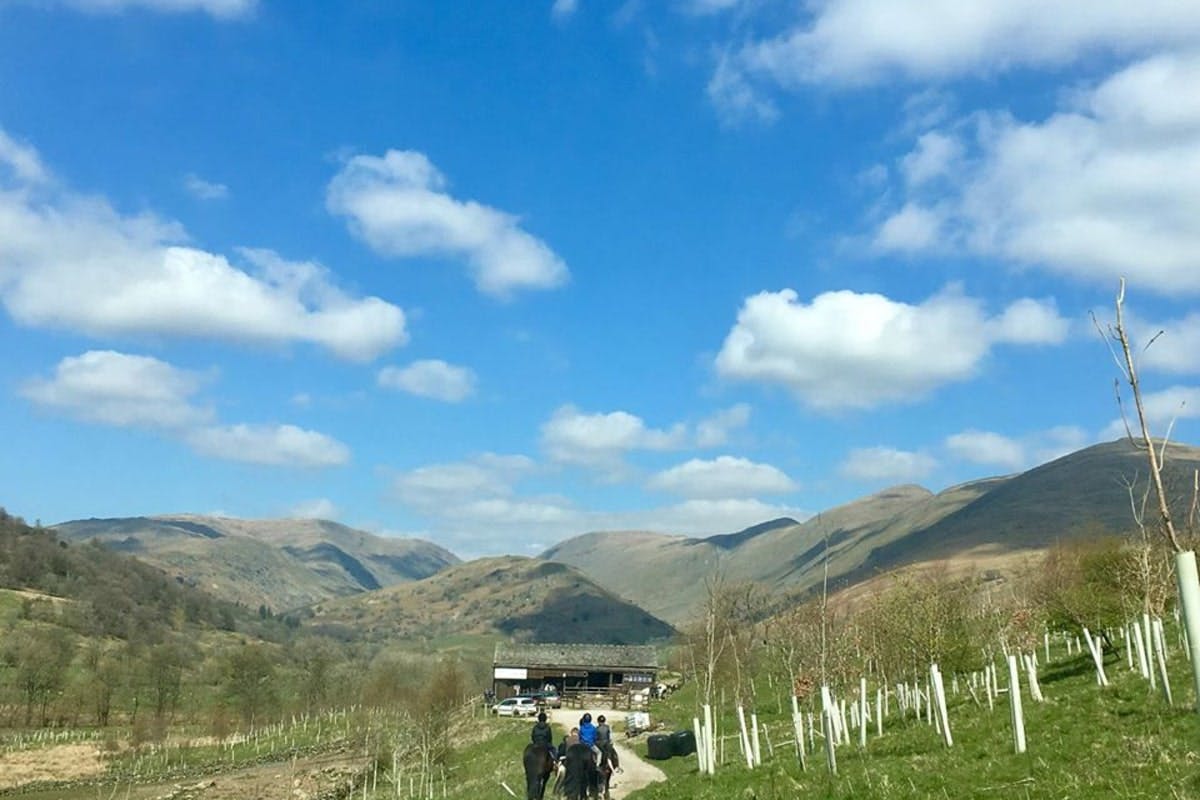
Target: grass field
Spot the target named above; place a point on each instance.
(1083, 742)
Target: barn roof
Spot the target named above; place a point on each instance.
(577, 655)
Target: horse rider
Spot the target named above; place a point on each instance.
(542, 734)
(603, 734)
(587, 735)
(568, 740)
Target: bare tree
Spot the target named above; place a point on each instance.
(1186, 573)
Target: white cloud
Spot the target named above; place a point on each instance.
(935, 156)
(736, 98)
(715, 430)
(434, 379)
(1162, 409)
(398, 205)
(913, 228)
(722, 477)
(986, 447)
(220, 9)
(1016, 453)
(600, 440)
(204, 190)
(1106, 188)
(128, 391)
(472, 507)
(22, 160)
(440, 487)
(875, 41)
(118, 389)
(887, 464)
(1177, 350)
(563, 10)
(73, 262)
(1029, 321)
(273, 445)
(318, 508)
(849, 350)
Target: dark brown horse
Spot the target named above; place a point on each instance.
(609, 763)
(539, 765)
(579, 773)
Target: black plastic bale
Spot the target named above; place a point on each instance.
(658, 747)
(683, 743)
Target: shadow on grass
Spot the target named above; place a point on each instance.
(1069, 669)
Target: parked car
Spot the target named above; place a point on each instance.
(516, 707)
(548, 699)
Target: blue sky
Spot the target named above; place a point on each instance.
(497, 273)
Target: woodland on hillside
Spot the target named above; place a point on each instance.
(93, 638)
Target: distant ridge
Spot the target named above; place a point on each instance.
(988, 521)
(525, 599)
(278, 563)
(728, 541)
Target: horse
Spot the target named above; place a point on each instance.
(609, 763)
(539, 763)
(579, 773)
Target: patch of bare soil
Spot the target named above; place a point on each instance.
(66, 762)
(309, 779)
(77, 771)
(635, 772)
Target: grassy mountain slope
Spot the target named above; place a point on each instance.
(665, 574)
(281, 564)
(991, 521)
(506, 596)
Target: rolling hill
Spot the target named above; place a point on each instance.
(281, 564)
(506, 596)
(992, 523)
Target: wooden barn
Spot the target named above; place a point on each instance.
(573, 669)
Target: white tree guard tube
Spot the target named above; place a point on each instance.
(1031, 675)
(845, 728)
(1014, 704)
(754, 744)
(827, 707)
(710, 740)
(1160, 651)
(1189, 600)
(701, 747)
(1148, 637)
(1128, 647)
(1097, 657)
(862, 712)
(745, 738)
(830, 746)
(939, 692)
(1143, 652)
(798, 730)
(1046, 639)
(880, 709)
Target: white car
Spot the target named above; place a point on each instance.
(516, 707)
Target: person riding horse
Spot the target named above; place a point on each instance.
(539, 763)
(579, 779)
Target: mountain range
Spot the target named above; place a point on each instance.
(632, 586)
(281, 564)
(993, 524)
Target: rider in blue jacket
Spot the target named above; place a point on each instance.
(587, 735)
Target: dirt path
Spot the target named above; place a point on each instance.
(635, 774)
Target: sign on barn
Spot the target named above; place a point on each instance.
(572, 668)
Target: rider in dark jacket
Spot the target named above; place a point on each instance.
(541, 733)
